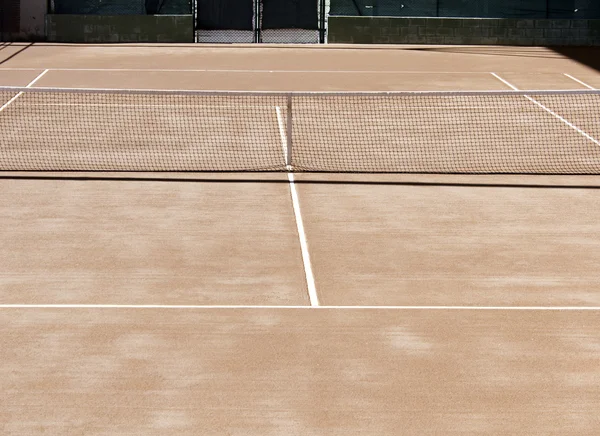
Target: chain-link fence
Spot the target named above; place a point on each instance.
(284, 21)
(267, 21)
(226, 21)
(295, 36)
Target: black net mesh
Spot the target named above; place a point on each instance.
(225, 21)
(391, 8)
(10, 11)
(225, 15)
(289, 21)
(554, 132)
(574, 9)
(171, 7)
(122, 7)
(588, 9)
(493, 8)
(100, 7)
(289, 14)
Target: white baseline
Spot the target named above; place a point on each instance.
(259, 307)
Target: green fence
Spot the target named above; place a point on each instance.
(458, 31)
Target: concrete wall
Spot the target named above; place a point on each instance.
(33, 18)
(459, 31)
(23, 20)
(120, 28)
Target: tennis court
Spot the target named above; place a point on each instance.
(380, 295)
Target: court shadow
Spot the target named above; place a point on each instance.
(314, 179)
(501, 50)
(588, 56)
(201, 46)
(18, 52)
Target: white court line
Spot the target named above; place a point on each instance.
(227, 105)
(218, 70)
(42, 74)
(579, 81)
(551, 112)
(20, 93)
(310, 279)
(158, 106)
(272, 307)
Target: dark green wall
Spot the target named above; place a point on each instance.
(459, 31)
(120, 28)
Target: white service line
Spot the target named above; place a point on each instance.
(21, 93)
(150, 106)
(259, 307)
(579, 81)
(42, 74)
(510, 85)
(310, 278)
(550, 111)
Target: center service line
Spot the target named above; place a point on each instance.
(310, 279)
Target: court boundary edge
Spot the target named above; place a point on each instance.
(296, 307)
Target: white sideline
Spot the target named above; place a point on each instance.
(20, 93)
(579, 81)
(258, 307)
(551, 112)
(310, 279)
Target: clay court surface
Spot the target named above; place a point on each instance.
(339, 304)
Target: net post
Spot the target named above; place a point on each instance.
(194, 4)
(288, 134)
(322, 10)
(255, 21)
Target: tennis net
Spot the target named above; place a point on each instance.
(494, 132)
